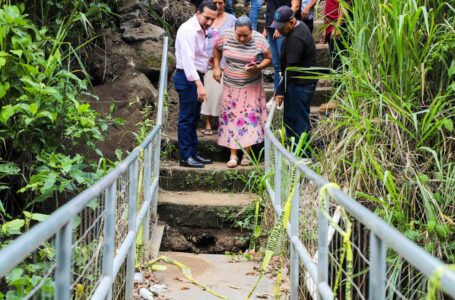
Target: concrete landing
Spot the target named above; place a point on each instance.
(230, 279)
(199, 198)
(214, 177)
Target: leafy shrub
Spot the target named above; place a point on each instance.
(391, 140)
(42, 117)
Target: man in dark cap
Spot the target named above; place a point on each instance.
(298, 50)
(274, 38)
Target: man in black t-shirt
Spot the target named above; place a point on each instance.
(298, 50)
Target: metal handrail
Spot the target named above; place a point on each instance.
(60, 224)
(381, 233)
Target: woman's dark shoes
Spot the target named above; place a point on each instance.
(200, 159)
(191, 163)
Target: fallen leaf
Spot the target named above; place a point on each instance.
(234, 287)
(252, 273)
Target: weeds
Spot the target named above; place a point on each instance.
(391, 140)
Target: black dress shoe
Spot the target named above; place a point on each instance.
(200, 159)
(191, 163)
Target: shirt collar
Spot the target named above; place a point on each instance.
(197, 25)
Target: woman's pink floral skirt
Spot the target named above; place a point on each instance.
(242, 116)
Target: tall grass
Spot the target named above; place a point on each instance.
(391, 141)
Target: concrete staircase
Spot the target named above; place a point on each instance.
(201, 206)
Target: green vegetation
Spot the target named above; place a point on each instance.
(42, 116)
(391, 141)
(44, 122)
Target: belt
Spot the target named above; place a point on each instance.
(201, 75)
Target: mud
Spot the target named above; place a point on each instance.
(203, 240)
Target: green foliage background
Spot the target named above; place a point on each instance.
(391, 142)
(42, 117)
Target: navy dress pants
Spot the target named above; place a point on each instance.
(297, 109)
(189, 114)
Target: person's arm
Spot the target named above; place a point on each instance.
(266, 60)
(294, 48)
(188, 52)
(307, 9)
(340, 19)
(217, 55)
(295, 5)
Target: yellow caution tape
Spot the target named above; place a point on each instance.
(434, 282)
(140, 198)
(278, 230)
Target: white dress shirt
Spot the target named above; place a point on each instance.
(190, 49)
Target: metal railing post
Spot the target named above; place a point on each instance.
(267, 154)
(323, 244)
(147, 195)
(156, 164)
(63, 268)
(295, 232)
(163, 82)
(109, 234)
(132, 203)
(377, 268)
(277, 178)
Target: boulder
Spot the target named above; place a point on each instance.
(137, 22)
(174, 12)
(139, 87)
(144, 32)
(128, 6)
(148, 58)
(129, 16)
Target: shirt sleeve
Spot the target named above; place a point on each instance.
(221, 40)
(262, 43)
(188, 49)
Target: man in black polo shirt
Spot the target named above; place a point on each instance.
(298, 50)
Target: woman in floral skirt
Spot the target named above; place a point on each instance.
(243, 113)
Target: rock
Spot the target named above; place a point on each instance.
(129, 16)
(146, 294)
(138, 277)
(131, 24)
(128, 6)
(148, 58)
(158, 288)
(138, 86)
(143, 33)
(174, 12)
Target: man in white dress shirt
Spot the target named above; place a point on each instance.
(192, 62)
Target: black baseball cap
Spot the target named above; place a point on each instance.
(281, 16)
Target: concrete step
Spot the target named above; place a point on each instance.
(208, 146)
(201, 209)
(318, 30)
(218, 272)
(323, 55)
(214, 177)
